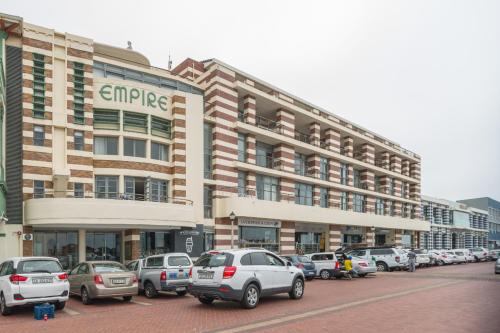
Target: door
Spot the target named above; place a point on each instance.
(103, 246)
(8, 289)
(282, 275)
(72, 278)
(262, 270)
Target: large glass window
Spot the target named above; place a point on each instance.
(323, 197)
(266, 238)
(161, 127)
(359, 203)
(134, 147)
(357, 178)
(242, 183)
(105, 145)
(392, 186)
(159, 151)
(343, 200)
(207, 151)
(79, 190)
(267, 188)
(300, 164)
(38, 85)
(103, 246)
(309, 242)
(242, 147)
(79, 140)
(156, 242)
(344, 174)
(303, 194)
(159, 190)
(264, 155)
(379, 206)
(38, 135)
(38, 189)
(106, 187)
(135, 188)
(106, 119)
(135, 122)
(207, 202)
(323, 168)
(61, 245)
(78, 93)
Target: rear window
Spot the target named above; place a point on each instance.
(322, 257)
(378, 252)
(304, 259)
(459, 253)
(357, 253)
(420, 251)
(212, 260)
(108, 267)
(38, 266)
(178, 261)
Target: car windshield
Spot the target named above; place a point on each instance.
(38, 266)
(304, 259)
(178, 261)
(108, 267)
(459, 253)
(420, 251)
(212, 260)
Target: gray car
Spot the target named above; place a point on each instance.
(497, 266)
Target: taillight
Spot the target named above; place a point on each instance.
(229, 272)
(98, 279)
(337, 265)
(15, 279)
(191, 272)
(397, 258)
(163, 276)
(300, 266)
(63, 276)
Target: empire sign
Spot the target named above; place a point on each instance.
(123, 94)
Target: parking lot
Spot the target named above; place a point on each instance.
(457, 298)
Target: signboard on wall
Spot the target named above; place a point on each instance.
(253, 222)
(122, 94)
(189, 241)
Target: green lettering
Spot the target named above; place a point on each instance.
(105, 92)
(162, 103)
(120, 94)
(134, 94)
(151, 97)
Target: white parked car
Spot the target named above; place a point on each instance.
(468, 254)
(423, 258)
(459, 256)
(442, 258)
(244, 275)
(32, 280)
(479, 253)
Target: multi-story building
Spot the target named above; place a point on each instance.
(493, 208)
(112, 158)
(454, 225)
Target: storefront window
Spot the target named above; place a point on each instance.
(209, 241)
(103, 246)
(308, 242)
(157, 242)
(61, 245)
(266, 238)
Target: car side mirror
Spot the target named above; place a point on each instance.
(288, 263)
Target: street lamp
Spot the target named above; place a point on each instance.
(232, 217)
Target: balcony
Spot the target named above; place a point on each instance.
(108, 210)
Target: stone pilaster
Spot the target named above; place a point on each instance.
(348, 146)
(250, 153)
(332, 140)
(313, 162)
(334, 171)
(249, 109)
(223, 233)
(368, 180)
(335, 238)
(286, 122)
(132, 244)
(27, 244)
(368, 153)
(415, 170)
(287, 237)
(396, 163)
(314, 133)
(284, 157)
(370, 236)
(287, 190)
(405, 167)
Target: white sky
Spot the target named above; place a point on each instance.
(425, 74)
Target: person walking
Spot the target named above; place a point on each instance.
(412, 258)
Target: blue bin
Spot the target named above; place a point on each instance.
(44, 309)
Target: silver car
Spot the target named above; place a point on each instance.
(497, 266)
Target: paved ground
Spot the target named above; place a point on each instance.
(459, 298)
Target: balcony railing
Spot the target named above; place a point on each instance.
(113, 196)
(303, 137)
(267, 124)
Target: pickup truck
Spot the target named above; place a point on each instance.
(165, 272)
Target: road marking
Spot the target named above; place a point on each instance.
(335, 308)
(70, 312)
(140, 303)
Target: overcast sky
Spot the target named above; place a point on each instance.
(425, 74)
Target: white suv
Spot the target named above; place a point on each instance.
(32, 280)
(244, 276)
(479, 253)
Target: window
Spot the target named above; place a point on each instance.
(264, 155)
(38, 135)
(323, 197)
(273, 261)
(357, 178)
(159, 151)
(258, 258)
(267, 188)
(154, 262)
(242, 183)
(79, 140)
(359, 203)
(207, 151)
(377, 184)
(323, 168)
(245, 260)
(379, 206)
(78, 93)
(106, 187)
(381, 252)
(392, 187)
(106, 119)
(135, 122)
(133, 147)
(303, 194)
(38, 85)
(179, 261)
(207, 202)
(300, 164)
(344, 173)
(38, 189)
(78, 190)
(318, 257)
(343, 200)
(242, 147)
(161, 127)
(105, 145)
(159, 190)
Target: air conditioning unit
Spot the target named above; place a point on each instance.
(27, 237)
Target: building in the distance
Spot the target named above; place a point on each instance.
(493, 208)
(454, 225)
(112, 158)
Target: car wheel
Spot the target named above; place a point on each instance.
(325, 275)
(182, 293)
(206, 300)
(440, 263)
(4, 309)
(150, 290)
(60, 305)
(382, 266)
(297, 289)
(127, 298)
(476, 259)
(86, 300)
(250, 297)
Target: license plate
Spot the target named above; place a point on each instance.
(41, 280)
(118, 281)
(172, 275)
(180, 289)
(205, 275)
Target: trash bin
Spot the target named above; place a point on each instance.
(44, 309)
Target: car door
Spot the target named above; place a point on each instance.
(6, 287)
(282, 275)
(72, 279)
(262, 271)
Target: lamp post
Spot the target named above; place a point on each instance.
(232, 217)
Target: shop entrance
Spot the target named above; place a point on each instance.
(103, 246)
(309, 242)
(379, 240)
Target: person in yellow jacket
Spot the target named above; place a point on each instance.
(348, 266)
